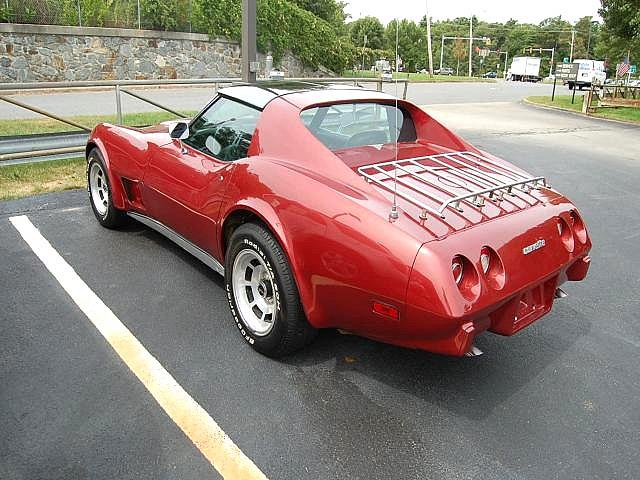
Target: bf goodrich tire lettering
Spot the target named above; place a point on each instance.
(262, 293)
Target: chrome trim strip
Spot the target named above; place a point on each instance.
(179, 240)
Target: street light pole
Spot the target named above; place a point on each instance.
(441, 54)
(506, 60)
(573, 38)
(429, 38)
(249, 41)
(470, 42)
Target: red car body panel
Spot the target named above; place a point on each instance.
(344, 250)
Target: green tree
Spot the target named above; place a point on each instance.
(459, 52)
(369, 26)
(412, 43)
(282, 26)
(620, 34)
(163, 14)
(622, 18)
(331, 11)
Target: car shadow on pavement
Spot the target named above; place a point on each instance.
(471, 387)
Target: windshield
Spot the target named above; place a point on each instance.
(350, 125)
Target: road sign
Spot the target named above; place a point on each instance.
(567, 71)
(565, 60)
(484, 52)
(633, 69)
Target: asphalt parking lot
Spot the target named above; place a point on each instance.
(559, 400)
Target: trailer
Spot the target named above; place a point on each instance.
(524, 69)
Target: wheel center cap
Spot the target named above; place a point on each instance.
(262, 289)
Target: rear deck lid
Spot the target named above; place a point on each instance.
(450, 191)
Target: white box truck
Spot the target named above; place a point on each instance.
(589, 71)
(524, 69)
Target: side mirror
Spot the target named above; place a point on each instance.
(179, 130)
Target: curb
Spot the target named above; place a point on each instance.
(579, 114)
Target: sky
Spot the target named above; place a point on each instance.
(488, 10)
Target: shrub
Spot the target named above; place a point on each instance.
(282, 26)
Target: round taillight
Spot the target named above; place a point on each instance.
(566, 235)
(492, 268)
(485, 259)
(466, 277)
(457, 268)
(578, 226)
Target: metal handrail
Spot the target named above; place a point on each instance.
(179, 81)
(44, 112)
(469, 165)
(117, 84)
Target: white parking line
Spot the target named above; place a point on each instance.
(187, 414)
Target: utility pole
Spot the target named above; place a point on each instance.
(364, 45)
(470, 39)
(506, 60)
(573, 39)
(470, 42)
(249, 41)
(429, 38)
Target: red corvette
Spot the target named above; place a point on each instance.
(344, 208)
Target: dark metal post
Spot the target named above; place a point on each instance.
(249, 40)
(574, 93)
(118, 106)
(553, 92)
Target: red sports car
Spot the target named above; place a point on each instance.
(338, 207)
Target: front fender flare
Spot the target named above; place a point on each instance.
(117, 191)
(270, 218)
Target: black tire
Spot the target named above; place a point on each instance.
(290, 330)
(111, 217)
(571, 86)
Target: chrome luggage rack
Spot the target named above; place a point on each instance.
(488, 179)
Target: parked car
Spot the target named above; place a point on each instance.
(276, 74)
(339, 207)
(490, 75)
(444, 71)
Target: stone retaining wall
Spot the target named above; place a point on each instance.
(53, 53)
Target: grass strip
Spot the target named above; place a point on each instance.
(418, 77)
(24, 180)
(563, 102)
(30, 126)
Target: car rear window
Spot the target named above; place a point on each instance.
(351, 125)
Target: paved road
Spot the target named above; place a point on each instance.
(194, 98)
(559, 400)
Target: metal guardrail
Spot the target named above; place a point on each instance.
(117, 86)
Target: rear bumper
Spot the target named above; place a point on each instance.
(455, 335)
(441, 318)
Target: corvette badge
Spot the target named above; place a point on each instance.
(534, 246)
